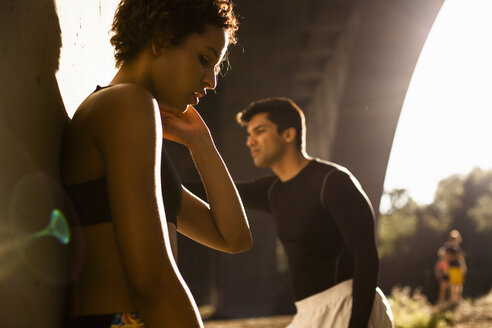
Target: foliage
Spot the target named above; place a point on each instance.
(398, 223)
(412, 310)
(486, 299)
(409, 234)
(449, 193)
(481, 213)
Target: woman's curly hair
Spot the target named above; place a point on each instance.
(138, 23)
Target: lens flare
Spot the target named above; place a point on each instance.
(58, 228)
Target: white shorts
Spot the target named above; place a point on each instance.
(332, 309)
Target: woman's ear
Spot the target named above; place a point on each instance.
(159, 44)
(289, 134)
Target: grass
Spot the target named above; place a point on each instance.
(413, 310)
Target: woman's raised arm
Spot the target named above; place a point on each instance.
(222, 224)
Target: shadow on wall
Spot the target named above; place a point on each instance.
(33, 264)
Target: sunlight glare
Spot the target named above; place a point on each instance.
(86, 57)
(446, 119)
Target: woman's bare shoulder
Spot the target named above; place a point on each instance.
(124, 106)
(99, 123)
(120, 98)
(124, 109)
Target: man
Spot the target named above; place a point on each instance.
(323, 219)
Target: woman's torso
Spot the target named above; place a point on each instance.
(100, 286)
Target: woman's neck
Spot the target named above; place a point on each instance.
(135, 71)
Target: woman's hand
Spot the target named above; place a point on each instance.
(186, 128)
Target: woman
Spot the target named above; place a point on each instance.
(441, 271)
(168, 53)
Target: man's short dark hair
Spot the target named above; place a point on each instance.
(280, 110)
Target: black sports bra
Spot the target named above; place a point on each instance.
(91, 202)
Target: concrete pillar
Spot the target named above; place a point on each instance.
(387, 45)
(34, 271)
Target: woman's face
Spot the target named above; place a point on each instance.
(182, 74)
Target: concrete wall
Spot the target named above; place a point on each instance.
(35, 271)
(387, 45)
(32, 273)
(323, 110)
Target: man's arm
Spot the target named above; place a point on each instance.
(352, 211)
(254, 194)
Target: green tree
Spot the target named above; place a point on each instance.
(398, 223)
(409, 234)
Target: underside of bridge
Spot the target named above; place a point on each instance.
(347, 64)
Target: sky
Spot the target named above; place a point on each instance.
(445, 126)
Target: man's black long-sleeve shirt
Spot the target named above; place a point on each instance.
(326, 225)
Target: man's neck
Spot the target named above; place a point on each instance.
(290, 165)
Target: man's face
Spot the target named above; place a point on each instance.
(265, 143)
